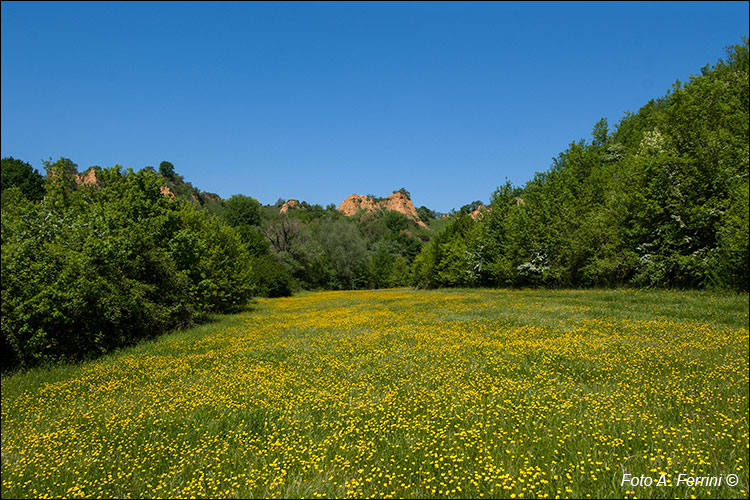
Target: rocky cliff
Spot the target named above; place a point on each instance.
(479, 212)
(288, 205)
(398, 202)
(354, 203)
(167, 192)
(88, 178)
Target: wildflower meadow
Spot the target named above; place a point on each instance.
(402, 393)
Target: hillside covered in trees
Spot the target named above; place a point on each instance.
(659, 200)
(95, 260)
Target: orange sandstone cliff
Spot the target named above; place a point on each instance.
(398, 202)
(288, 205)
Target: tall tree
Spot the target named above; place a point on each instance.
(166, 169)
(241, 210)
(18, 173)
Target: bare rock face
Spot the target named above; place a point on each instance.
(88, 178)
(398, 202)
(354, 203)
(288, 205)
(479, 212)
(165, 191)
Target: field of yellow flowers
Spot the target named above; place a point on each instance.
(402, 393)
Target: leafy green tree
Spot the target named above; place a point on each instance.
(220, 267)
(295, 245)
(493, 239)
(241, 210)
(399, 273)
(403, 244)
(451, 258)
(380, 267)
(167, 170)
(61, 183)
(600, 133)
(83, 277)
(18, 173)
(395, 221)
(733, 256)
(270, 278)
(425, 214)
(423, 270)
(345, 249)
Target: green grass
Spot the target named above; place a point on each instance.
(449, 393)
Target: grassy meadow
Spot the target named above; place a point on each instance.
(400, 393)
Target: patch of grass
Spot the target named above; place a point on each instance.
(441, 393)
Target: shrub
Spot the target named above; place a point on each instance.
(91, 269)
(270, 278)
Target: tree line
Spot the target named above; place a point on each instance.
(659, 201)
(88, 267)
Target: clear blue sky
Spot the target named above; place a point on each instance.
(316, 101)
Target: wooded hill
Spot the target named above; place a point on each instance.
(659, 200)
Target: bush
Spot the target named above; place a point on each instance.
(216, 261)
(80, 282)
(270, 278)
(91, 269)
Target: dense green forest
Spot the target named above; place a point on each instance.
(661, 200)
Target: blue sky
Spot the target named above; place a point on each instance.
(316, 101)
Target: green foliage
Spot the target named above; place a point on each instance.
(425, 214)
(18, 173)
(295, 246)
(166, 169)
(324, 249)
(220, 268)
(380, 268)
(660, 201)
(399, 272)
(270, 278)
(600, 134)
(404, 244)
(241, 210)
(90, 269)
(733, 258)
(468, 208)
(345, 249)
(394, 221)
(451, 258)
(253, 239)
